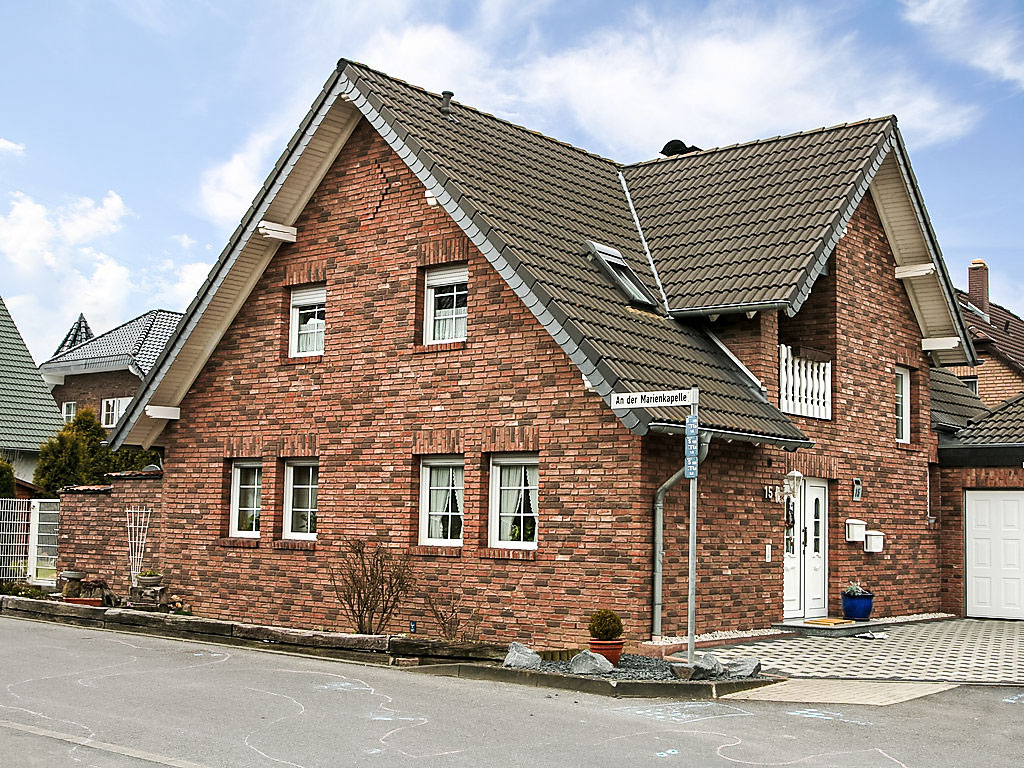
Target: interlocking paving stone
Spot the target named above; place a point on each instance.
(955, 651)
(878, 694)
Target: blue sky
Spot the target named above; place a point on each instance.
(133, 135)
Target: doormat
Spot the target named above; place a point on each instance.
(829, 622)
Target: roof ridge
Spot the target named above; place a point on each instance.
(767, 140)
(482, 113)
(961, 293)
(100, 336)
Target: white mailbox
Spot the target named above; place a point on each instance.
(874, 541)
(855, 529)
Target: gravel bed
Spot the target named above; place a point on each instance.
(630, 668)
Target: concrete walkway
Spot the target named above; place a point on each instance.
(951, 651)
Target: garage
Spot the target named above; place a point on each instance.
(995, 542)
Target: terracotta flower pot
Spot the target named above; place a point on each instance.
(610, 649)
(96, 602)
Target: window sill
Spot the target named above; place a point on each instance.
(431, 550)
(237, 542)
(288, 360)
(422, 349)
(499, 553)
(305, 544)
(910, 447)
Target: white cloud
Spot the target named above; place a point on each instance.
(227, 189)
(83, 220)
(184, 241)
(11, 148)
(27, 234)
(978, 35)
(171, 285)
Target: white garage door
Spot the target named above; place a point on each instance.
(995, 542)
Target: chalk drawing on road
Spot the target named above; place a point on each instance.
(343, 685)
(668, 753)
(680, 713)
(818, 714)
(1017, 698)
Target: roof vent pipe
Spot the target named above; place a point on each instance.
(446, 103)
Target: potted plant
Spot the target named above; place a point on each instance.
(149, 578)
(606, 635)
(857, 601)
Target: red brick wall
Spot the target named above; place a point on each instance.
(955, 481)
(997, 381)
(91, 389)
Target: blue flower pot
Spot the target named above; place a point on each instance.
(858, 607)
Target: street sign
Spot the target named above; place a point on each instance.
(667, 398)
(692, 445)
(691, 426)
(690, 467)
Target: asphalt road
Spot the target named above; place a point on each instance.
(81, 697)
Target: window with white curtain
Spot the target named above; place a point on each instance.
(513, 514)
(441, 494)
(445, 304)
(308, 320)
(301, 479)
(246, 499)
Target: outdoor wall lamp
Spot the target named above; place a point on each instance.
(793, 482)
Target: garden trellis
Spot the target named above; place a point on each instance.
(138, 527)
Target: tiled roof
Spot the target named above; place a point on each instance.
(954, 405)
(1003, 331)
(78, 333)
(137, 343)
(747, 224)
(28, 414)
(1004, 426)
(543, 200)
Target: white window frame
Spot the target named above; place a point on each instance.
(971, 382)
(494, 506)
(902, 403)
(68, 410)
(426, 464)
(306, 298)
(442, 277)
(110, 415)
(236, 467)
(289, 486)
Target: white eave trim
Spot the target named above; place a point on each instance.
(167, 412)
(272, 231)
(915, 270)
(937, 343)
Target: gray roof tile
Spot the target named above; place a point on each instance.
(137, 342)
(28, 414)
(954, 405)
(1004, 426)
(79, 333)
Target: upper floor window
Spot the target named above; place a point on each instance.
(614, 265)
(246, 499)
(69, 408)
(441, 493)
(902, 405)
(301, 479)
(113, 408)
(971, 382)
(513, 517)
(445, 304)
(308, 319)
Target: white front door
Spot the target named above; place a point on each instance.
(805, 552)
(995, 554)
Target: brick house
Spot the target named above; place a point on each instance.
(998, 336)
(104, 372)
(414, 336)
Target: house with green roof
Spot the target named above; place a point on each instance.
(28, 413)
(445, 334)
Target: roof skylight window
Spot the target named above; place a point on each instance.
(614, 265)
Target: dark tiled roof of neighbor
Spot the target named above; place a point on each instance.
(78, 333)
(746, 224)
(1004, 333)
(542, 200)
(28, 414)
(138, 342)
(954, 405)
(1004, 426)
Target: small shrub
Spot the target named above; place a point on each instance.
(150, 572)
(448, 613)
(605, 625)
(370, 584)
(8, 489)
(22, 589)
(855, 588)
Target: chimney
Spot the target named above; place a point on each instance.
(446, 103)
(977, 284)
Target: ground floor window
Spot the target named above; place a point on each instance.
(69, 409)
(441, 495)
(246, 501)
(513, 501)
(301, 479)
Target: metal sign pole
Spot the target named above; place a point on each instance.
(691, 552)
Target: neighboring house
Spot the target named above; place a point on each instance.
(103, 372)
(415, 334)
(28, 416)
(998, 336)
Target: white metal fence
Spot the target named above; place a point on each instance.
(805, 386)
(28, 540)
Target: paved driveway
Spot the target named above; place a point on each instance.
(955, 651)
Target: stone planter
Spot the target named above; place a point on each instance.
(150, 581)
(858, 607)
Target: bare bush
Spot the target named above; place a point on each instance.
(370, 583)
(448, 613)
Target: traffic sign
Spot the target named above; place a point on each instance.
(691, 426)
(692, 445)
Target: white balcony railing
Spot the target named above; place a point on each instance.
(805, 386)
